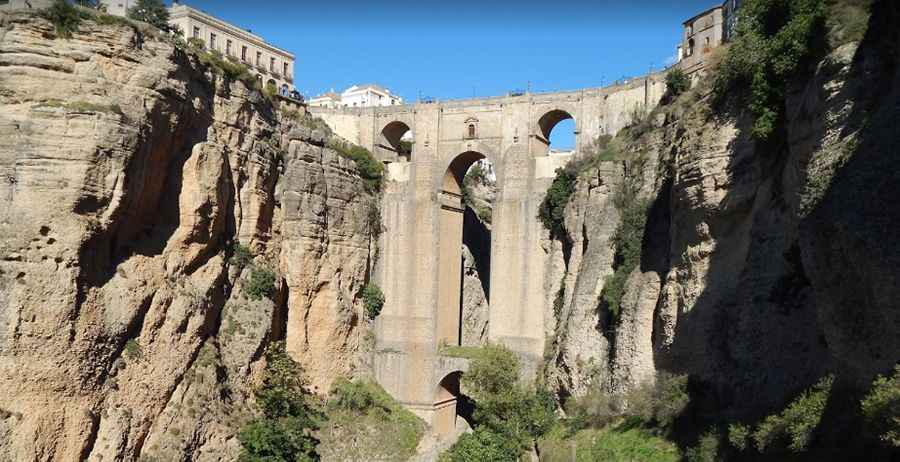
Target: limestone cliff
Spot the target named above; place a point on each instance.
(762, 267)
(130, 175)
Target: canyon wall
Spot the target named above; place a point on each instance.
(131, 175)
(764, 266)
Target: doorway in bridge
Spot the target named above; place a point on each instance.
(397, 140)
(467, 198)
(558, 130)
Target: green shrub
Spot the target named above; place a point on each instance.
(365, 423)
(739, 436)
(626, 242)
(370, 169)
(241, 256)
(773, 38)
(677, 82)
(153, 12)
(373, 218)
(619, 443)
(553, 207)
(133, 349)
(503, 406)
(881, 409)
(483, 445)
(283, 433)
(260, 284)
(706, 450)
(655, 404)
(373, 300)
(798, 422)
(64, 16)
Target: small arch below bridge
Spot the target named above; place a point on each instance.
(397, 138)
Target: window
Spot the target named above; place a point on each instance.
(196, 32)
(258, 58)
(244, 53)
(272, 64)
(690, 50)
(286, 69)
(212, 41)
(228, 47)
(471, 130)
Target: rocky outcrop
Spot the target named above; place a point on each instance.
(130, 173)
(764, 266)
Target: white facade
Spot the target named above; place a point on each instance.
(118, 7)
(368, 96)
(330, 100)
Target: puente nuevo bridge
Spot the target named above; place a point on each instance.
(420, 264)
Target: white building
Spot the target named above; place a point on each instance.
(118, 7)
(368, 95)
(329, 99)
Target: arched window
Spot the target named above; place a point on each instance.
(690, 50)
(471, 130)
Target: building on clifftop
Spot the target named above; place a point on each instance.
(271, 65)
(6, 5)
(366, 95)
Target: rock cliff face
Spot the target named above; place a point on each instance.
(130, 173)
(763, 267)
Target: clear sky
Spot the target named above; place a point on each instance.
(460, 48)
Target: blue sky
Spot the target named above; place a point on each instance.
(457, 49)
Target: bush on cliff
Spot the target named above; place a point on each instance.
(553, 207)
(284, 431)
(881, 409)
(373, 300)
(370, 169)
(677, 82)
(773, 40)
(626, 242)
(65, 18)
(260, 284)
(363, 422)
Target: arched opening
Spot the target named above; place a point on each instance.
(558, 130)
(471, 130)
(450, 404)
(397, 138)
(467, 196)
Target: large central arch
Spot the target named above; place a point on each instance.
(450, 248)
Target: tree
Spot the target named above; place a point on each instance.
(677, 82)
(284, 432)
(152, 12)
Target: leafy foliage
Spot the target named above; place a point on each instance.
(483, 445)
(553, 207)
(617, 443)
(881, 409)
(373, 300)
(284, 432)
(739, 436)
(365, 423)
(133, 349)
(152, 12)
(773, 38)
(797, 423)
(626, 242)
(65, 18)
(260, 284)
(706, 450)
(509, 416)
(241, 256)
(677, 82)
(655, 404)
(370, 168)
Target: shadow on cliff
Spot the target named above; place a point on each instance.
(787, 298)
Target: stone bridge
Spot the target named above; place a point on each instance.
(419, 267)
